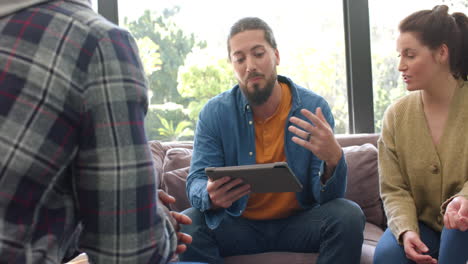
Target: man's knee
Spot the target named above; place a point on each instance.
(346, 210)
(345, 218)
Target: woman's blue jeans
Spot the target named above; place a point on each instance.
(334, 229)
(449, 247)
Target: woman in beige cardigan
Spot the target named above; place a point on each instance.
(423, 149)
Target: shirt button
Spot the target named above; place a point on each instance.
(250, 153)
(434, 169)
(250, 122)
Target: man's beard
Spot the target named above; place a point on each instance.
(259, 96)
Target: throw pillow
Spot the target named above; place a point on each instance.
(363, 181)
(175, 170)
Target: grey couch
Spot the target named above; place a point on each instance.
(172, 160)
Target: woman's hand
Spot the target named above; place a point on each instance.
(456, 214)
(415, 249)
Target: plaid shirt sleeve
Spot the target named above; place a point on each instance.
(115, 182)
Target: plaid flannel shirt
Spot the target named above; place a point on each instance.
(73, 150)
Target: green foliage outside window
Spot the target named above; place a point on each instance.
(387, 85)
(172, 44)
(168, 122)
(174, 132)
(200, 83)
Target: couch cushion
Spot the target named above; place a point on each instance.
(363, 181)
(174, 174)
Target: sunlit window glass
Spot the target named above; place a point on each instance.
(94, 4)
(183, 48)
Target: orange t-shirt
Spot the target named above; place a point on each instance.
(269, 145)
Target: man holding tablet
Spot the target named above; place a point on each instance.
(267, 118)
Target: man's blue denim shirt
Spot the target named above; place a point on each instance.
(225, 136)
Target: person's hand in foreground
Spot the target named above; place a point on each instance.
(177, 219)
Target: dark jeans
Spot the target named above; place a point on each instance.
(335, 230)
(449, 247)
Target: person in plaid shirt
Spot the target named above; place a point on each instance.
(73, 150)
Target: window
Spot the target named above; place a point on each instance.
(183, 48)
(94, 4)
(384, 19)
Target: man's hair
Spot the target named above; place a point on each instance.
(251, 23)
(436, 27)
